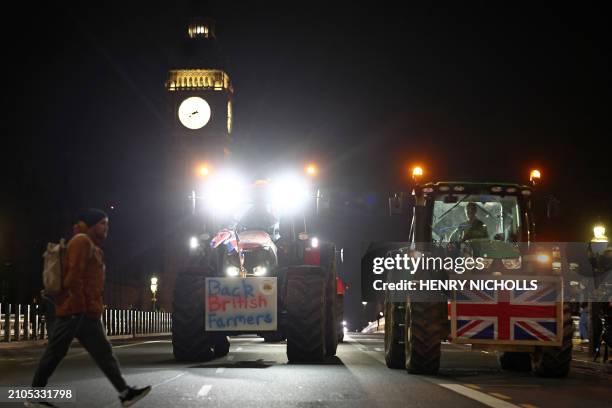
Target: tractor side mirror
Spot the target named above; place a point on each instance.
(400, 203)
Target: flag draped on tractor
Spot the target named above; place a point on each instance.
(507, 316)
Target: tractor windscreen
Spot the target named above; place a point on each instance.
(463, 217)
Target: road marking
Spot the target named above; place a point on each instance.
(239, 349)
(230, 358)
(528, 406)
(500, 396)
(473, 386)
(481, 397)
(220, 370)
(168, 380)
(379, 349)
(204, 390)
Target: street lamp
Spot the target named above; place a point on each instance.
(154, 291)
(599, 242)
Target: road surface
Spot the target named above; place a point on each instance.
(256, 374)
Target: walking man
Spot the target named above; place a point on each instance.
(79, 308)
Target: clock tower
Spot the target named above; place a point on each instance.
(199, 105)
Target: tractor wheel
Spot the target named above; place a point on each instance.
(555, 361)
(221, 345)
(514, 361)
(395, 356)
(340, 317)
(425, 325)
(328, 264)
(189, 340)
(305, 304)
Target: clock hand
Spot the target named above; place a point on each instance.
(193, 113)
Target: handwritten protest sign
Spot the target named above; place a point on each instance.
(241, 304)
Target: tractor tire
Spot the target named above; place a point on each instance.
(555, 361)
(189, 339)
(514, 361)
(305, 304)
(221, 345)
(425, 325)
(340, 317)
(328, 264)
(395, 356)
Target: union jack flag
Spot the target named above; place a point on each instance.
(507, 315)
(227, 237)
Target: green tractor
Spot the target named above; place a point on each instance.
(493, 222)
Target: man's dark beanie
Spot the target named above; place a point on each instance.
(92, 216)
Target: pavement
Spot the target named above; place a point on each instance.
(256, 374)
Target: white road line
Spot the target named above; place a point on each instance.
(379, 349)
(449, 385)
(204, 390)
(239, 349)
(230, 358)
(219, 370)
(168, 380)
(481, 397)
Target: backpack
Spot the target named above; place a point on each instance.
(54, 260)
(54, 263)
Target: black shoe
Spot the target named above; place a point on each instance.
(36, 404)
(133, 394)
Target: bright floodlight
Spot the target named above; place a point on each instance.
(194, 243)
(535, 175)
(314, 242)
(289, 193)
(225, 192)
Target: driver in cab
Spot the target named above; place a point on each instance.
(473, 228)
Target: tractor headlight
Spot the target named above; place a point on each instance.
(225, 192)
(260, 270)
(194, 243)
(543, 258)
(232, 270)
(289, 193)
(314, 242)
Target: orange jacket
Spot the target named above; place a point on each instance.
(83, 284)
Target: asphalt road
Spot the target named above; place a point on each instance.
(256, 374)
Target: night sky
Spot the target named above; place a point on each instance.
(482, 93)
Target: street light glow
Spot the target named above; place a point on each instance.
(599, 233)
(154, 284)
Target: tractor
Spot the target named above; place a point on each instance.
(255, 268)
(496, 223)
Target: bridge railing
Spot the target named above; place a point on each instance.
(28, 322)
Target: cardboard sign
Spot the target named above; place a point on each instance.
(241, 304)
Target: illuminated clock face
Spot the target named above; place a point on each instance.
(194, 112)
